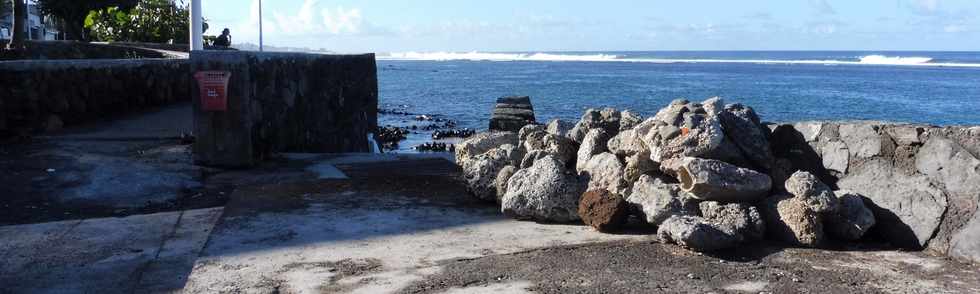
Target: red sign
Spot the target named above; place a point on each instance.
(214, 89)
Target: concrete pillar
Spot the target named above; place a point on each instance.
(511, 114)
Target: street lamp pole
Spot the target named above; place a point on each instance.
(197, 26)
(261, 44)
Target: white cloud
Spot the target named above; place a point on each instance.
(708, 28)
(248, 30)
(954, 28)
(927, 5)
(309, 20)
(524, 27)
(823, 27)
(822, 7)
(341, 21)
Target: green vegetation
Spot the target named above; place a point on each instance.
(73, 13)
(156, 21)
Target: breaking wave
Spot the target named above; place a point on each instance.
(479, 56)
(483, 56)
(896, 60)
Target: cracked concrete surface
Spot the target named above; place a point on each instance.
(134, 254)
(134, 165)
(260, 252)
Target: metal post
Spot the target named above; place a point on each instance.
(261, 44)
(197, 26)
(27, 20)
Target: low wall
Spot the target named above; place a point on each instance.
(44, 95)
(41, 50)
(160, 46)
(923, 181)
(285, 102)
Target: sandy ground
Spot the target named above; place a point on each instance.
(645, 267)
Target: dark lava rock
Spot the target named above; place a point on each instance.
(435, 147)
(389, 136)
(512, 113)
(393, 111)
(464, 133)
(603, 210)
(743, 128)
(429, 117)
(440, 125)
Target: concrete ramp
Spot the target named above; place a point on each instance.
(391, 223)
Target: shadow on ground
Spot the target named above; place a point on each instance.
(139, 164)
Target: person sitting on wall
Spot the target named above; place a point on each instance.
(224, 40)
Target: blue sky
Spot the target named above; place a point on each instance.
(580, 25)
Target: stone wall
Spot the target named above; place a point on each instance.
(44, 95)
(923, 181)
(286, 102)
(78, 50)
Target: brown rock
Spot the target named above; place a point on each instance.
(792, 220)
(603, 210)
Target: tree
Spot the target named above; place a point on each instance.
(20, 16)
(73, 12)
(156, 21)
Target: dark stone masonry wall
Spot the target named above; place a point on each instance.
(923, 182)
(58, 50)
(286, 102)
(45, 95)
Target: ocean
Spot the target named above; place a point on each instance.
(941, 88)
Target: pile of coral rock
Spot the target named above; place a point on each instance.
(703, 173)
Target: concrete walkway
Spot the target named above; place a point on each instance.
(162, 123)
(136, 254)
(376, 233)
(137, 164)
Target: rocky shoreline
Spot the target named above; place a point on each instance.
(712, 176)
(400, 130)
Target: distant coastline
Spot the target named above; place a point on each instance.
(255, 47)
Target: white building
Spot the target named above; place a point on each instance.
(35, 26)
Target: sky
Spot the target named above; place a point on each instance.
(610, 25)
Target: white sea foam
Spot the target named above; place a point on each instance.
(483, 56)
(480, 56)
(894, 60)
